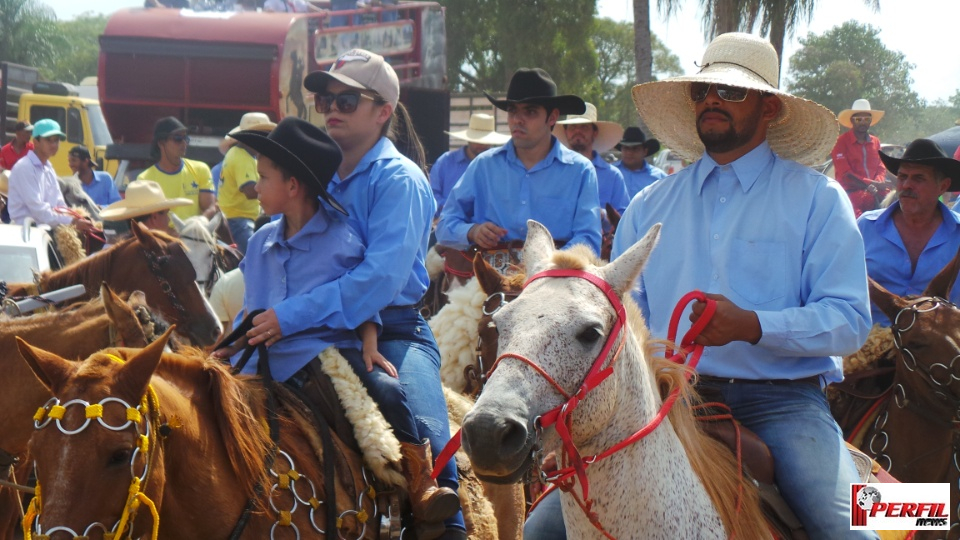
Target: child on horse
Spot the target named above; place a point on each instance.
(297, 161)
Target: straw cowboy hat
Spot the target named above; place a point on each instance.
(252, 120)
(143, 197)
(859, 106)
(804, 131)
(633, 136)
(303, 149)
(926, 152)
(608, 133)
(481, 130)
(535, 86)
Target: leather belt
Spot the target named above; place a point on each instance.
(710, 379)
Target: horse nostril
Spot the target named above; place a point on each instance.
(513, 436)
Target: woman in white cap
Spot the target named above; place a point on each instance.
(391, 205)
(480, 135)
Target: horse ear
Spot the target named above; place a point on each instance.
(134, 376)
(214, 223)
(539, 246)
(490, 280)
(142, 233)
(178, 223)
(890, 304)
(623, 272)
(613, 216)
(123, 318)
(942, 283)
(52, 370)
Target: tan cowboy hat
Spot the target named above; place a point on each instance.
(256, 121)
(859, 106)
(481, 130)
(804, 131)
(142, 197)
(608, 133)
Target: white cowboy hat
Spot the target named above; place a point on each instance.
(256, 121)
(859, 106)
(804, 131)
(142, 197)
(481, 130)
(608, 133)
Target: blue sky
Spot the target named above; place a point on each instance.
(921, 29)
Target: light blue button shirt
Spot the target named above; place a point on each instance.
(888, 262)
(445, 173)
(640, 178)
(391, 206)
(101, 189)
(560, 192)
(278, 271)
(773, 237)
(610, 185)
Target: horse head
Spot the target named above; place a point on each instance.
(202, 250)
(549, 339)
(926, 331)
(94, 441)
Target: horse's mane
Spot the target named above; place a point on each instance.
(711, 460)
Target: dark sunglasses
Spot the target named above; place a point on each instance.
(866, 118)
(179, 138)
(347, 101)
(699, 91)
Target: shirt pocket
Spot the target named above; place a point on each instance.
(758, 270)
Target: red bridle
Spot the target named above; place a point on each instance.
(560, 416)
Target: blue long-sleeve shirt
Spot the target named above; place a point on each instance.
(391, 206)
(279, 272)
(445, 173)
(640, 178)
(888, 262)
(560, 192)
(610, 185)
(773, 237)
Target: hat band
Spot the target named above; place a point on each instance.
(762, 78)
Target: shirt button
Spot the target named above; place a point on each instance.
(283, 280)
(523, 202)
(723, 199)
(716, 237)
(716, 277)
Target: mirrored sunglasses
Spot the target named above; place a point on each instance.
(347, 101)
(735, 94)
(179, 138)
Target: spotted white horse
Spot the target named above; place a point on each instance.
(674, 482)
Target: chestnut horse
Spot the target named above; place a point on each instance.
(80, 331)
(549, 337)
(914, 433)
(150, 261)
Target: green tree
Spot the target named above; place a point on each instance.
(849, 62)
(487, 40)
(28, 31)
(614, 42)
(79, 49)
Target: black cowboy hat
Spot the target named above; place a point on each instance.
(165, 126)
(633, 136)
(926, 152)
(537, 87)
(303, 149)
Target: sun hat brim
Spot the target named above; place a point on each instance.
(260, 142)
(476, 136)
(949, 167)
(846, 114)
(121, 210)
(608, 133)
(227, 142)
(567, 104)
(804, 131)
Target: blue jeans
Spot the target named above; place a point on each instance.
(388, 393)
(546, 520)
(241, 229)
(408, 343)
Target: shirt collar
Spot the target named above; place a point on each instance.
(300, 241)
(557, 152)
(384, 149)
(598, 161)
(35, 159)
(747, 168)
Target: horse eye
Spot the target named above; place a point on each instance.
(120, 457)
(589, 335)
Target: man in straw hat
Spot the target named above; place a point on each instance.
(178, 176)
(634, 149)
(590, 137)
(856, 161)
(480, 135)
(531, 177)
(237, 196)
(144, 202)
(775, 244)
(909, 242)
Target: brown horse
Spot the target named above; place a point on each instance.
(103, 322)
(150, 261)
(914, 434)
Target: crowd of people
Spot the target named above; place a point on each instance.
(783, 250)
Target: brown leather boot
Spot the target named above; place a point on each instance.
(429, 502)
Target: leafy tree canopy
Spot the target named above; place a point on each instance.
(79, 51)
(28, 32)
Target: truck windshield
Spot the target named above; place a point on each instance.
(98, 126)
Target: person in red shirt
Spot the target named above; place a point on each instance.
(856, 160)
(18, 147)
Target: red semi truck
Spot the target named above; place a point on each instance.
(209, 68)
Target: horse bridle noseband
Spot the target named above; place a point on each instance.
(216, 269)
(154, 262)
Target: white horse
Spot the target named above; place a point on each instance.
(673, 483)
(198, 234)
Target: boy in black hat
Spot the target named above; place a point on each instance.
(307, 247)
(634, 149)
